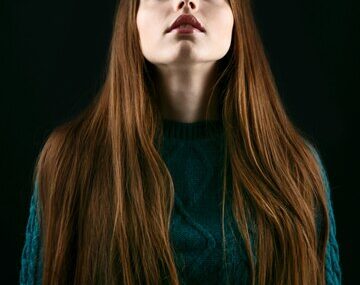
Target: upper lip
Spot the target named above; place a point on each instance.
(186, 19)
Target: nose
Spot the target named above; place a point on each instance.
(188, 3)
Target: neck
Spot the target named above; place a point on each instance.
(185, 93)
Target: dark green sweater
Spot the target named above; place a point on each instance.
(194, 155)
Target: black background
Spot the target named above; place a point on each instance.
(53, 57)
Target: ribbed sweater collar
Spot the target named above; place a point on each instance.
(199, 130)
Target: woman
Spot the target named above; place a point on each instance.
(146, 187)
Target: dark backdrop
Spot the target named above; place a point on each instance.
(54, 60)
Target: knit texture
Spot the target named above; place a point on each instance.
(194, 155)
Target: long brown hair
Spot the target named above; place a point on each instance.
(106, 195)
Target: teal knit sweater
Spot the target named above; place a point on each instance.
(194, 155)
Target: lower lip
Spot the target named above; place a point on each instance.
(189, 30)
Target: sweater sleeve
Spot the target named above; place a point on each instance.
(332, 259)
(31, 262)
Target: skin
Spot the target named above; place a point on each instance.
(186, 66)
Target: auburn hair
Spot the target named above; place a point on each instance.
(106, 195)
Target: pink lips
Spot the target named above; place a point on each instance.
(186, 30)
(186, 19)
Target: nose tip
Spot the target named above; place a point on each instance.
(188, 3)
